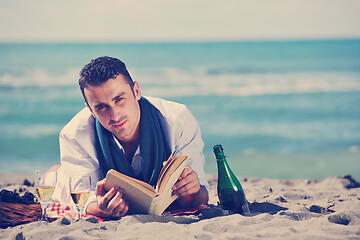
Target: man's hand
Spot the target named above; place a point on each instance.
(187, 184)
(108, 204)
(189, 189)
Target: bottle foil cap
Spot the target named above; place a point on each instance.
(218, 148)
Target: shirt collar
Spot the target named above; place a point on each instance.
(137, 152)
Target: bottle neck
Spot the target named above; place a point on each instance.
(221, 158)
(219, 153)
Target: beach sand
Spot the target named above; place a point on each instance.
(283, 209)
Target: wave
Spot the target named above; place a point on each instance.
(165, 82)
(176, 82)
(30, 131)
(39, 78)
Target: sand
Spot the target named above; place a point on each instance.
(283, 209)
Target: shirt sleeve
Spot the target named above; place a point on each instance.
(190, 143)
(75, 163)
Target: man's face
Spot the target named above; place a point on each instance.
(113, 103)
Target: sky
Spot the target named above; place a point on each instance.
(175, 20)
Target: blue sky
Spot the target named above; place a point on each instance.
(164, 20)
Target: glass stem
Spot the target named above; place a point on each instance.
(79, 212)
(43, 207)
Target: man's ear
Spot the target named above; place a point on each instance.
(137, 91)
(92, 113)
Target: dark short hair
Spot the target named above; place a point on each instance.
(101, 69)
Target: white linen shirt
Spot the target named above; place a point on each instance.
(78, 154)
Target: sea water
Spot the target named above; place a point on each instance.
(280, 109)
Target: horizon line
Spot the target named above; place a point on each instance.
(149, 41)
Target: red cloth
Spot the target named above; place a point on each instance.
(56, 210)
(186, 211)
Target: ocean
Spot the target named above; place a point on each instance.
(281, 109)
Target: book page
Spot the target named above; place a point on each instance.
(140, 184)
(138, 194)
(168, 163)
(169, 171)
(166, 197)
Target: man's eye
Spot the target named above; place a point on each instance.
(118, 100)
(100, 108)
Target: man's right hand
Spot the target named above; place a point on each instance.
(108, 204)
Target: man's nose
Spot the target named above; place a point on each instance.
(115, 114)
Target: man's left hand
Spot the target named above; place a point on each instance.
(188, 187)
(187, 184)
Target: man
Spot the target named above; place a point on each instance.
(122, 130)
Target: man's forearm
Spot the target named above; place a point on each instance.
(194, 200)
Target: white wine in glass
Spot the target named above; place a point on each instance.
(45, 192)
(45, 186)
(80, 198)
(80, 191)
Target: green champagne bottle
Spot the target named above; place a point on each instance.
(230, 192)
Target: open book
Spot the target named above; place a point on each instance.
(141, 196)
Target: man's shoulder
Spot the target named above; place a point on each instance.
(81, 123)
(168, 109)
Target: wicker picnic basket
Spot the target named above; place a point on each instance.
(12, 214)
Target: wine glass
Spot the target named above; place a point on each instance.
(45, 186)
(80, 191)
